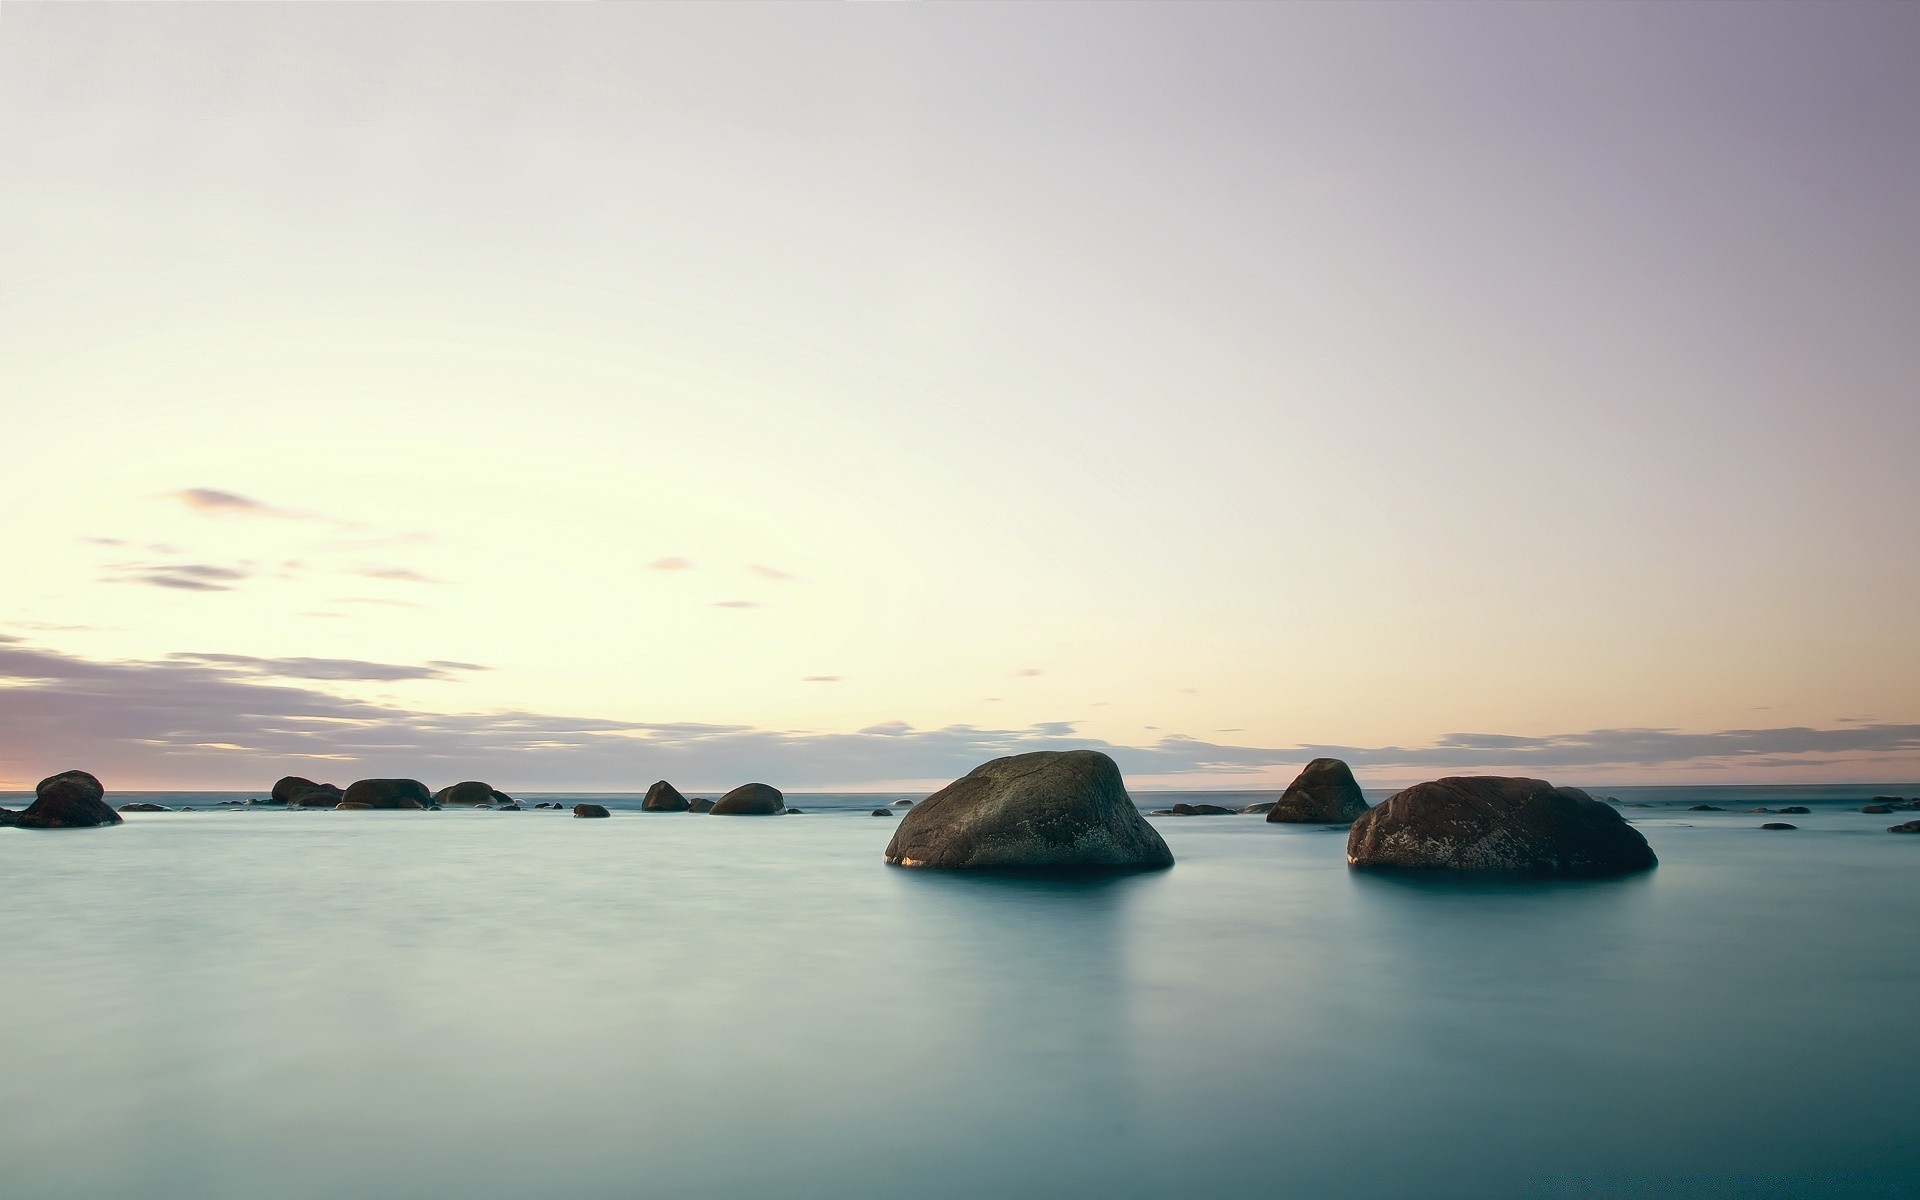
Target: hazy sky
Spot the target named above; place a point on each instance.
(836, 395)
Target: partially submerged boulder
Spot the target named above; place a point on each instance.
(1324, 793)
(386, 793)
(750, 800)
(1199, 810)
(1498, 824)
(317, 795)
(882, 812)
(1879, 810)
(291, 786)
(589, 810)
(470, 792)
(1255, 809)
(144, 806)
(1778, 825)
(699, 806)
(1905, 827)
(663, 797)
(1046, 809)
(1797, 810)
(69, 800)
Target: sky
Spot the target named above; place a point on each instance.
(840, 396)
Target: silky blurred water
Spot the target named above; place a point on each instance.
(256, 1003)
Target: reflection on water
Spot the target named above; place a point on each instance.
(487, 1005)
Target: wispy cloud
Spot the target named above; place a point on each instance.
(736, 604)
(1028, 672)
(670, 564)
(770, 573)
(821, 678)
(144, 719)
(396, 574)
(186, 577)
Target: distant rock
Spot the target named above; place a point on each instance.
(795, 812)
(750, 800)
(1045, 809)
(472, 792)
(699, 806)
(1799, 810)
(1159, 812)
(1706, 808)
(1905, 827)
(664, 797)
(143, 806)
(1886, 800)
(386, 793)
(507, 807)
(1262, 806)
(589, 810)
(1498, 824)
(1760, 810)
(1200, 810)
(1325, 793)
(1878, 810)
(293, 785)
(69, 800)
(903, 804)
(1778, 825)
(882, 812)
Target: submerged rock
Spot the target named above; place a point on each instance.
(1498, 824)
(1878, 810)
(663, 797)
(1905, 827)
(1199, 810)
(69, 800)
(471, 792)
(903, 804)
(699, 806)
(1778, 825)
(1798, 810)
(1159, 812)
(795, 812)
(1046, 809)
(750, 800)
(882, 812)
(1324, 793)
(589, 810)
(143, 806)
(1760, 810)
(1706, 808)
(1262, 806)
(386, 793)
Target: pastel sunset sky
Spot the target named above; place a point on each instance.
(574, 396)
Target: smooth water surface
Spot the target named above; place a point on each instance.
(250, 1003)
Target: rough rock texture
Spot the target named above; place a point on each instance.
(470, 792)
(1498, 824)
(1325, 793)
(386, 793)
(1199, 810)
(1778, 825)
(699, 806)
(69, 800)
(750, 800)
(318, 795)
(1047, 809)
(589, 810)
(664, 797)
(143, 806)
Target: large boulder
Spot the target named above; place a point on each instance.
(291, 786)
(1498, 824)
(1047, 809)
(750, 800)
(663, 797)
(590, 810)
(320, 795)
(69, 800)
(386, 793)
(1324, 793)
(699, 806)
(470, 792)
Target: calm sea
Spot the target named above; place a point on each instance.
(480, 1005)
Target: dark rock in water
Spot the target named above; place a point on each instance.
(1200, 810)
(433, 808)
(1886, 800)
(69, 800)
(509, 807)
(1760, 810)
(143, 806)
(1878, 810)
(1905, 827)
(589, 810)
(1046, 809)
(1322, 794)
(387, 793)
(1706, 808)
(795, 812)
(699, 806)
(1263, 806)
(355, 807)
(1798, 810)
(1778, 825)
(319, 795)
(471, 792)
(1498, 824)
(903, 804)
(882, 812)
(294, 785)
(750, 800)
(1159, 812)
(664, 797)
